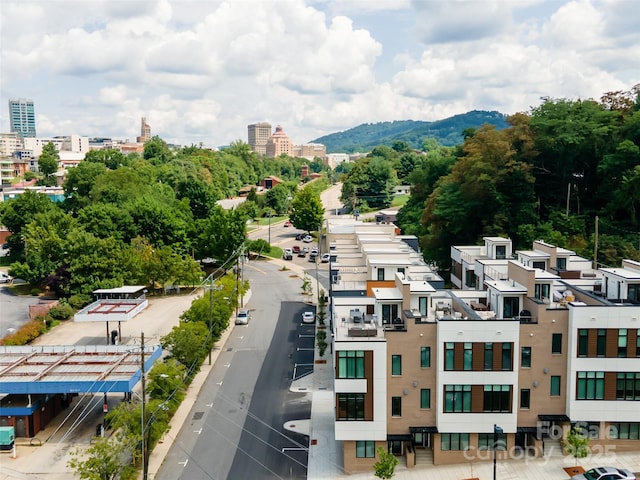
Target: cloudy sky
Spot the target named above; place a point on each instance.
(200, 71)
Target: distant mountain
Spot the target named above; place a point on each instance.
(447, 132)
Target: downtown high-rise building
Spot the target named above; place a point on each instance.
(258, 135)
(22, 117)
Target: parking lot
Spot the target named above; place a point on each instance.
(303, 355)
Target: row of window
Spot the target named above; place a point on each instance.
(463, 356)
(592, 386)
(603, 342)
(460, 441)
(495, 398)
(351, 362)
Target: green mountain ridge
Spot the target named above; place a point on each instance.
(447, 132)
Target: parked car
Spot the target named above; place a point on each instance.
(314, 250)
(307, 239)
(287, 223)
(5, 278)
(313, 256)
(300, 236)
(308, 317)
(296, 249)
(325, 258)
(303, 252)
(243, 317)
(287, 254)
(605, 473)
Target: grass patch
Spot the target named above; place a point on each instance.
(265, 220)
(275, 252)
(399, 200)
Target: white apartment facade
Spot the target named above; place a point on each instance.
(524, 353)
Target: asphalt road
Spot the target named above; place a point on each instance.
(14, 310)
(247, 389)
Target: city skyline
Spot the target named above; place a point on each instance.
(200, 72)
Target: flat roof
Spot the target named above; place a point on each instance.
(125, 289)
(41, 369)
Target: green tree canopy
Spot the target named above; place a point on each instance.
(48, 160)
(307, 211)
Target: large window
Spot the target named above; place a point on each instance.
(628, 386)
(380, 274)
(601, 342)
(561, 263)
(556, 343)
(396, 406)
(637, 345)
(488, 356)
(457, 398)
(454, 441)
(425, 398)
(351, 364)
(541, 290)
(350, 406)
(497, 398)
(525, 357)
(506, 356)
(501, 252)
(511, 307)
(590, 386)
(622, 342)
(448, 356)
(396, 364)
(425, 357)
(365, 449)
(468, 356)
(422, 305)
(525, 398)
(624, 431)
(389, 313)
(554, 387)
(485, 441)
(633, 293)
(583, 342)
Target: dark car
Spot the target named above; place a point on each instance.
(313, 256)
(300, 236)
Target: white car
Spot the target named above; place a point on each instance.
(287, 254)
(308, 317)
(605, 473)
(307, 239)
(325, 258)
(5, 278)
(243, 317)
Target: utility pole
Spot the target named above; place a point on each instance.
(238, 281)
(595, 247)
(210, 312)
(145, 457)
(242, 275)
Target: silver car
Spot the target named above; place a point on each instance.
(243, 317)
(605, 473)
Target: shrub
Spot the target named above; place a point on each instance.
(63, 311)
(79, 300)
(35, 292)
(27, 333)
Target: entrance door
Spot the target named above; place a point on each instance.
(422, 440)
(21, 430)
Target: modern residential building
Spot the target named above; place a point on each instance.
(258, 135)
(279, 143)
(22, 117)
(433, 374)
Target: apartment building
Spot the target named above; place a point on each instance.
(145, 131)
(22, 117)
(428, 373)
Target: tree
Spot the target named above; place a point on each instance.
(188, 344)
(386, 465)
(48, 160)
(307, 211)
(157, 151)
(103, 460)
(577, 443)
(111, 158)
(277, 198)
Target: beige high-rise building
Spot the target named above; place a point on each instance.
(259, 133)
(145, 131)
(279, 143)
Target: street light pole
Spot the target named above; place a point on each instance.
(496, 431)
(144, 456)
(269, 227)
